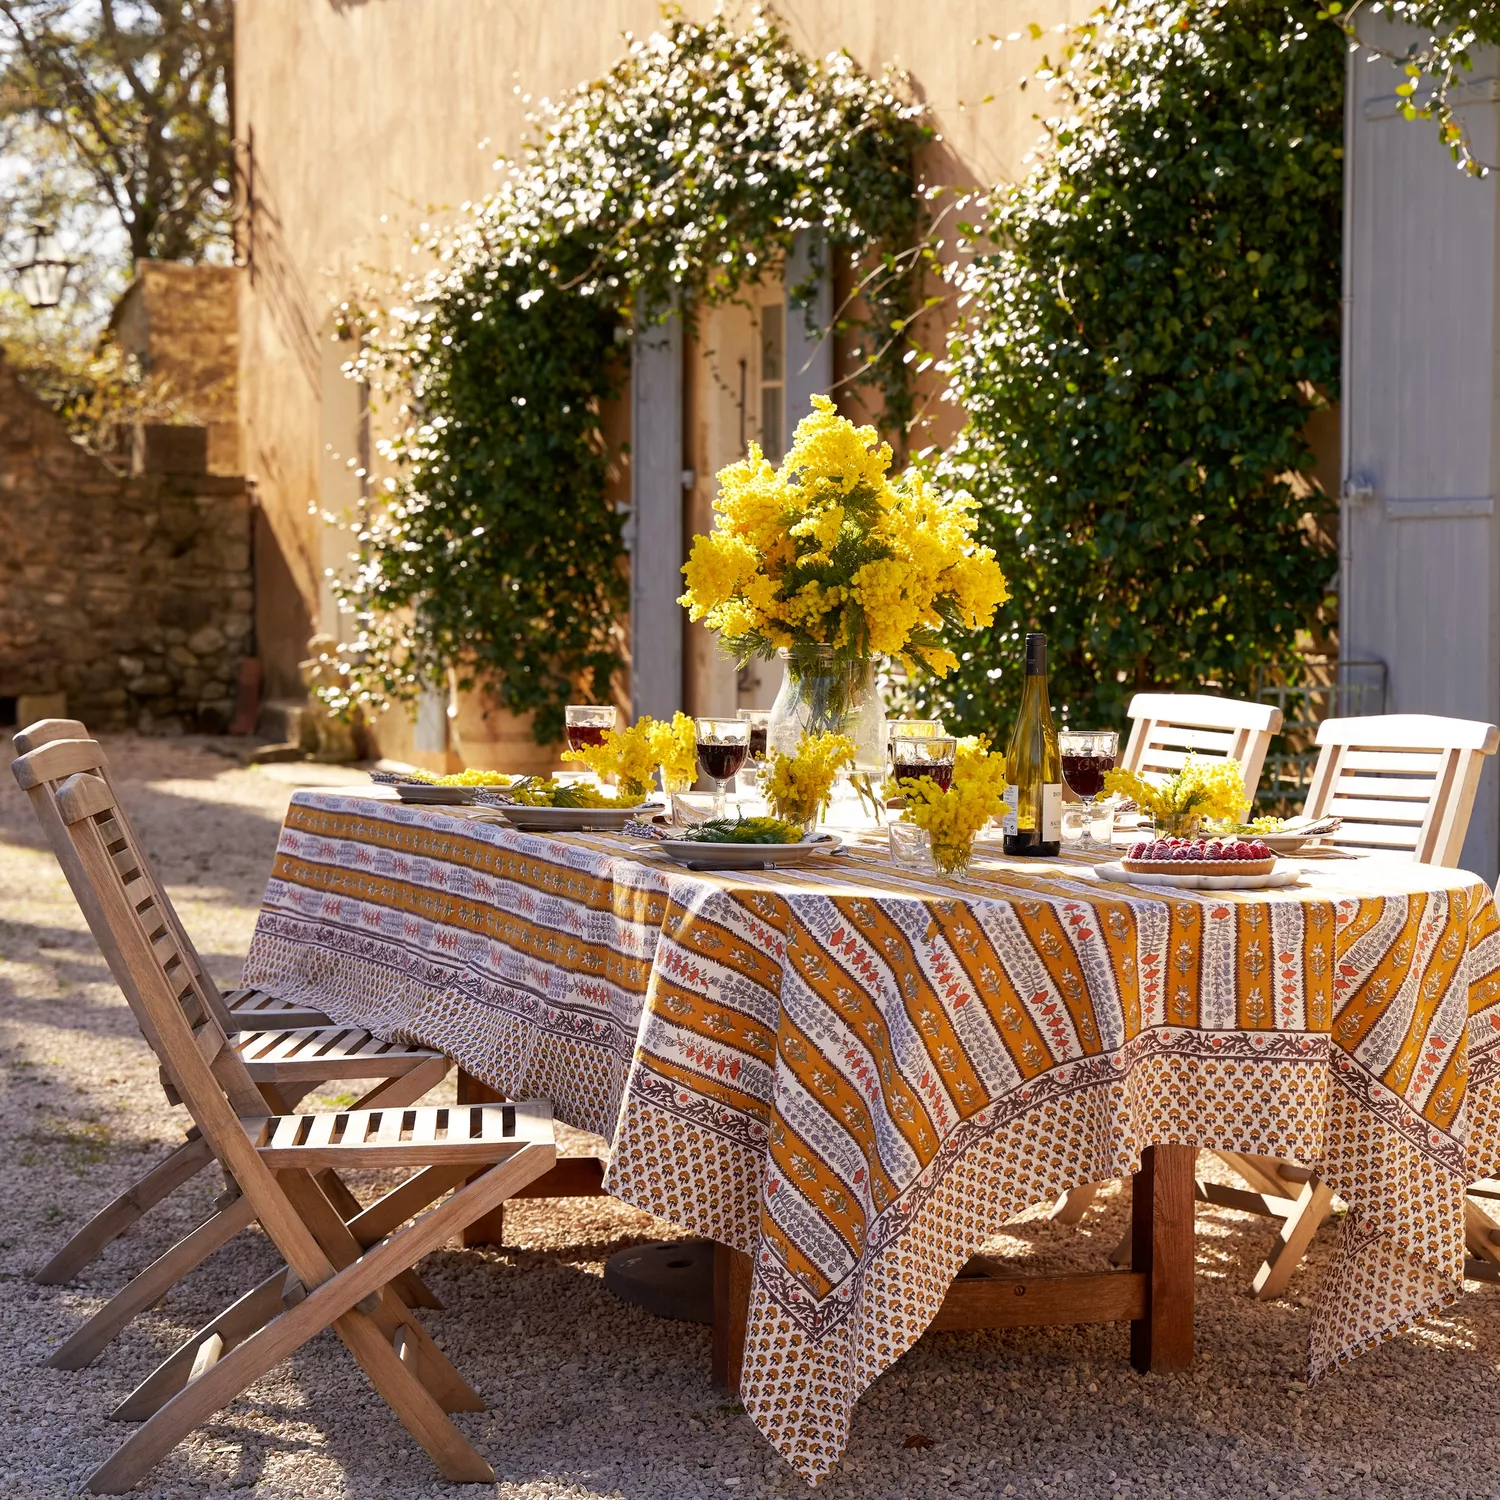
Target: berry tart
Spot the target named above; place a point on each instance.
(1200, 857)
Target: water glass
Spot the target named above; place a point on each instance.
(914, 756)
(911, 848)
(586, 724)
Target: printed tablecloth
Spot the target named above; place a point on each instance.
(856, 1075)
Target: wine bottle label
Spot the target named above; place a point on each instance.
(1008, 823)
(1051, 829)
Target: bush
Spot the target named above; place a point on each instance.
(1151, 317)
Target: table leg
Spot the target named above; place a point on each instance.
(1162, 1230)
(732, 1271)
(488, 1229)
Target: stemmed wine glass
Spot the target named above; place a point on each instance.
(723, 747)
(759, 720)
(1088, 755)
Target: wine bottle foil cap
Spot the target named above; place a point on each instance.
(1036, 654)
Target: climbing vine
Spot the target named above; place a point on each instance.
(1150, 318)
(675, 180)
(1434, 50)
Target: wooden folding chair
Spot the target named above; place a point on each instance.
(1168, 727)
(282, 1064)
(251, 1009)
(1165, 729)
(344, 1270)
(1404, 784)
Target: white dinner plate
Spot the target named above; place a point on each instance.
(1271, 880)
(439, 796)
(697, 854)
(572, 819)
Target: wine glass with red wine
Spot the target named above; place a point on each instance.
(586, 724)
(1088, 756)
(914, 756)
(723, 747)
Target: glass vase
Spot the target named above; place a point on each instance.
(823, 694)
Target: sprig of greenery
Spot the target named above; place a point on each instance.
(1438, 52)
(677, 179)
(743, 830)
(1151, 318)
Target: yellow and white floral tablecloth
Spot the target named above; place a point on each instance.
(856, 1076)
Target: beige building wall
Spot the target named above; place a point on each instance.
(363, 122)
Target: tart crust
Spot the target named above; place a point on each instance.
(1199, 866)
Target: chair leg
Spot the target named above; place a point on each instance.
(239, 1321)
(1482, 1233)
(116, 1217)
(412, 1289)
(152, 1284)
(1314, 1204)
(217, 1380)
(1073, 1204)
(342, 1248)
(265, 1301)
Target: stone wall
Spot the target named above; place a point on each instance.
(132, 595)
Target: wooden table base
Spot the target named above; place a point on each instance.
(1155, 1295)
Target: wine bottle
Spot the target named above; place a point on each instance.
(1033, 768)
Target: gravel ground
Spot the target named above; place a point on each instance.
(589, 1397)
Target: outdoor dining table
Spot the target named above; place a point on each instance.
(849, 1075)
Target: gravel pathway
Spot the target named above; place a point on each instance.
(589, 1397)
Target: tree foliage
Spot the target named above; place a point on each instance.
(672, 182)
(1149, 320)
(133, 95)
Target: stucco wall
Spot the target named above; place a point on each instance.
(182, 322)
(366, 121)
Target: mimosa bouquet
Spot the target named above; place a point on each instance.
(628, 755)
(1202, 791)
(952, 819)
(675, 747)
(797, 786)
(830, 551)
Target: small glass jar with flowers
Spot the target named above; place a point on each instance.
(631, 756)
(798, 786)
(953, 818)
(1201, 791)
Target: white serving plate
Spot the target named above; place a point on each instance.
(572, 819)
(696, 854)
(439, 796)
(1277, 876)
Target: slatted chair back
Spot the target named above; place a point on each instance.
(190, 1042)
(1404, 784)
(58, 748)
(1168, 727)
(114, 914)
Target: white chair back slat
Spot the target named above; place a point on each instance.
(1403, 783)
(1166, 727)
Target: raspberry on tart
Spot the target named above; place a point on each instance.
(1179, 856)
